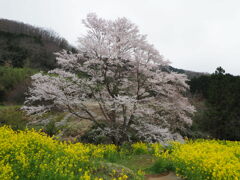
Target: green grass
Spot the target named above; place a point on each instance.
(146, 163)
(138, 162)
(9, 106)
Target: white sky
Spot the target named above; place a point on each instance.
(197, 35)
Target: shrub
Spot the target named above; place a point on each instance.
(161, 166)
(50, 128)
(14, 117)
(14, 83)
(140, 148)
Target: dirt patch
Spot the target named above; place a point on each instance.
(164, 176)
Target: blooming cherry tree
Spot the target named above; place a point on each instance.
(118, 71)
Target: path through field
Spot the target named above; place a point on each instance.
(169, 176)
(145, 161)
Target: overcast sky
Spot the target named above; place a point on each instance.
(197, 35)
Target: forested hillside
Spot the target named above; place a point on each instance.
(219, 114)
(23, 45)
(25, 50)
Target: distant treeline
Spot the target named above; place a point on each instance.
(190, 74)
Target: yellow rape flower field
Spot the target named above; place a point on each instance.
(33, 155)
